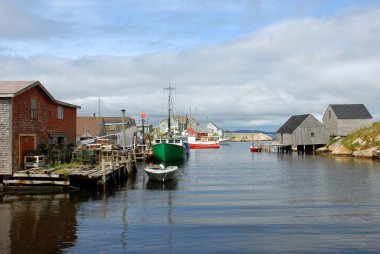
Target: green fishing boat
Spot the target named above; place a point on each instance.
(171, 147)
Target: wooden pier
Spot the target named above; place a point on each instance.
(58, 180)
(273, 145)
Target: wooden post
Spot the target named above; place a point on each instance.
(134, 158)
(128, 165)
(104, 171)
(124, 137)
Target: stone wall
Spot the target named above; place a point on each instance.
(5, 136)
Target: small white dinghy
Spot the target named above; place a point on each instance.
(161, 173)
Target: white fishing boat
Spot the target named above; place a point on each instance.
(161, 173)
(224, 140)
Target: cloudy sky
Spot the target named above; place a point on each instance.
(236, 63)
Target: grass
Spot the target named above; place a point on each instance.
(368, 135)
(64, 168)
(332, 141)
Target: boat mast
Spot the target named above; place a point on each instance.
(252, 135)
(169, 108)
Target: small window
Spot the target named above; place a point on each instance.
(60, 112)
(329, 113)
(33, 108)
(312, 134)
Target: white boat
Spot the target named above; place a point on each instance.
(223, 140)
(161, 173)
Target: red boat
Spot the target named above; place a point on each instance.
(254, 148)
(202, 144)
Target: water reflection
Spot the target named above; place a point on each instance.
(38, 224)
(169, 185)
(228, 200)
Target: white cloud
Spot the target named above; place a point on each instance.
(292, 67)
(17, 23)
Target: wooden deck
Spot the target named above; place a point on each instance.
(48, 179)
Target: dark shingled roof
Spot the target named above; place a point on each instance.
(292, 123)
(350, 111)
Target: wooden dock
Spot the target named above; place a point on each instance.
(48, 180)
(272, 145)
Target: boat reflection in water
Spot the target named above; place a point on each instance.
(168, 185)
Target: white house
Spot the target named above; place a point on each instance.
(214, 129)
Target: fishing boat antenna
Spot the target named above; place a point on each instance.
(170, 89)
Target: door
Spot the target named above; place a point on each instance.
(27, 143)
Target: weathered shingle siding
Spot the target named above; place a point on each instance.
(309, 132)
(330, 121)
(5, 136)
(303, 134)
(348, 126)
(285, 138)
(344, 127)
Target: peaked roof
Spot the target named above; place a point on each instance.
(202, 129)
(15, 88)
(93, 124)
(292, 123)
(216, 126)
(191, 131)
(350, 111)
(180, 119)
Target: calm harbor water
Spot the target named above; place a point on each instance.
(226, 200)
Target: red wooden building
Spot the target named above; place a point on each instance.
(31, 119)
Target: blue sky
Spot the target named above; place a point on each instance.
(237, 62)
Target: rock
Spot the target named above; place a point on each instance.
(342, 151)
(336, 145)
(323, 150)
(358, 141)
(369, 153)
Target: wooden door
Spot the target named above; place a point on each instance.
(26, 143)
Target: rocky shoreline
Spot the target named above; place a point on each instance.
(337, 148)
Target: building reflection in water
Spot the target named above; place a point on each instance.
(37, 224)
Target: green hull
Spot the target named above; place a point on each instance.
(168, 152)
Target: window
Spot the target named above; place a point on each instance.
(60, 112)
(312, 134)
(329, 113)
(33, 108)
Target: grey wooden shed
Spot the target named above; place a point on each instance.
(301, 131)
(343, 119)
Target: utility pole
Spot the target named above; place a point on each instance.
(99, 107)
(143, 115)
